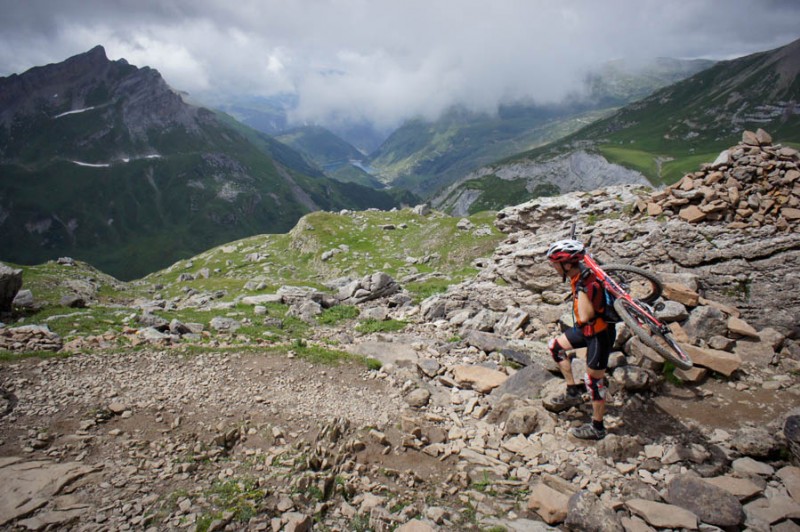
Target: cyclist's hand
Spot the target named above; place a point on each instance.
(588, 330)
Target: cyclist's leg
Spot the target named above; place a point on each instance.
(558, 347)
(572, 339)
(599, 349)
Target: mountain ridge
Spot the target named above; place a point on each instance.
(103, 161)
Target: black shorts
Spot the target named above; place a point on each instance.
(598, 346)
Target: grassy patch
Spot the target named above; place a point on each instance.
(239, 496)
(333, 315)
(375, 326)
(373, 364)
(641, 161)
(318, 354)
(425, 289)
(669, 374)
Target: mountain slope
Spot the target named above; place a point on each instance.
(662, 136)
(620, 82)
(423, 156)
(700, 116)
(102, 161)
(427, 156)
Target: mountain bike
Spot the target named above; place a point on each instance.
(633, 290)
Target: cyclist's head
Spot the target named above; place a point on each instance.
(565, 251)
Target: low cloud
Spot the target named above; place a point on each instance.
(386, 61)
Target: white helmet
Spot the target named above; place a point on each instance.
(565, 251)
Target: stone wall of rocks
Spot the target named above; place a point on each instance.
(29, 338)
(752, 184)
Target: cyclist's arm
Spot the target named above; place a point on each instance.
(585, 310)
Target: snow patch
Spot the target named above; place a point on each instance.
(90, 165)
(75, 111)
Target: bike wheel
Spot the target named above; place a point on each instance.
(639, 283)
(652, 334)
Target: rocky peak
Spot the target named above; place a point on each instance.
(90, 81)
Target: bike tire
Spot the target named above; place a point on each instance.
(639, 283)
(651, 335)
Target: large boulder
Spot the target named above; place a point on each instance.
(10, 283)
(711, 504)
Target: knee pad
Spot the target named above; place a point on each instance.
(556, 351)
(596, 387)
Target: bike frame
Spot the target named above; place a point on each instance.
(616, 290)
(642, 309)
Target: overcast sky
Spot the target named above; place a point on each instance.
(387, 59)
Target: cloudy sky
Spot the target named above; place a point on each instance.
(384, 60)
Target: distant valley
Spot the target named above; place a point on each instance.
(425, 156)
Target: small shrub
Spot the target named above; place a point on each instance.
(669, 374)
(373, 364)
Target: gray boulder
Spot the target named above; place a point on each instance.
(10, 283)
(368, 288)
(618, 448)
(526, 383)
(709, 503)
(219, 323)
(791, 429)
(757, 442)
(485, 341)
(24, 299)
(706, 322)
(73, 301)
(587, 513)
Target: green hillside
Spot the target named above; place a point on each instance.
(425, 157)
(672, 131)
(664, 136)
(337, 158)
(319, 145)
(118, 171)
(426, 254)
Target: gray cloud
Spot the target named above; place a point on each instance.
(387, 60)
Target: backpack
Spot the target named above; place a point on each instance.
(609, 312)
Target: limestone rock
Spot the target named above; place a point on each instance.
(479, 378)
(719, 361)
(30, 485)
(709, 503)
(586, 512)
(662, 515)
(551, 505)
(10, 283)
(741, 488)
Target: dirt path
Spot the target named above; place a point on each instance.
(249, 441)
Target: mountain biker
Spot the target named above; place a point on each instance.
(590, 331)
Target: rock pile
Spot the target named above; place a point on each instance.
(29, 338)
(749, 185)
(368, 288)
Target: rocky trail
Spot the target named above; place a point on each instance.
(449, 433)
(152, 439)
